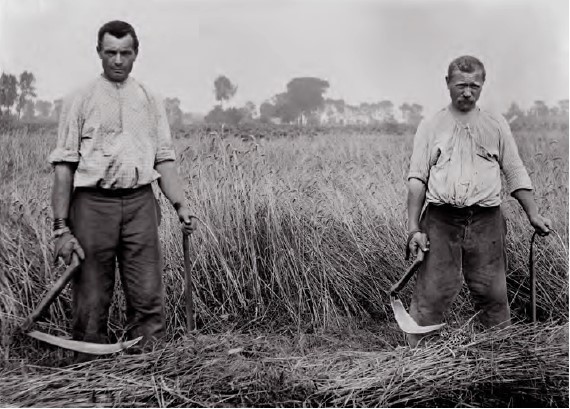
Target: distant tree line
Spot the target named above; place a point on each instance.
(538, 116)
(18, 99)
(303, 102)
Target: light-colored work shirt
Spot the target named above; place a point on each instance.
(115, 132)
(461, 163)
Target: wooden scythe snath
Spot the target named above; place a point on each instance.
(190, 314)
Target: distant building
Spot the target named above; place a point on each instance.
(337, 112)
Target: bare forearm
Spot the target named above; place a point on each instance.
(416, 198)
(542, 225)
(170, 184)
(526, 199)
(62, 189)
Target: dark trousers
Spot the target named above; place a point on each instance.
(462, 240)
(117, 226)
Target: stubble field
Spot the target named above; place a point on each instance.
(299, 242)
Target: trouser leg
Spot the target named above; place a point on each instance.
(95, 222)
(485, 264)
(140, 265)
(439, 279)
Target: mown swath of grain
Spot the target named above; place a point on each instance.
(520, 365)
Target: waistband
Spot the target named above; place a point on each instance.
(462, 211)
(114, 192)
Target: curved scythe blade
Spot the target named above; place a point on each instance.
(407, 323)
(405, 320)
(81, 346)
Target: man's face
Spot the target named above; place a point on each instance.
(465, 89)
(118, 56)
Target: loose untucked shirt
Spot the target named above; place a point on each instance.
(116, 133)
(461, 163)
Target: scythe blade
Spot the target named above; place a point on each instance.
(405, 320)
(81, 346)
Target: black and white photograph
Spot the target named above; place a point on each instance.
(284, 203)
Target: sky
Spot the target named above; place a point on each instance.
(368, 50)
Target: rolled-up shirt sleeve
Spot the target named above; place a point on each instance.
(69, 132)
(419, 162)
(165, 147)
(515, 173)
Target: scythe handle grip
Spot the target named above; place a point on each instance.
(51, 295)
(190, 317)
(396, 288)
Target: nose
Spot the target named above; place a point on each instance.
(467, 92)
(117, 60)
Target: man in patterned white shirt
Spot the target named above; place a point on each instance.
(113, 142)
(455, 169)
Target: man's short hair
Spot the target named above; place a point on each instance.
(117, 29)
(466, 63)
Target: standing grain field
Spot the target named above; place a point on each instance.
(304, 232)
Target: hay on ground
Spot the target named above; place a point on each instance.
(518, 366)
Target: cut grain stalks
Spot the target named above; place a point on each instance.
(520, 365)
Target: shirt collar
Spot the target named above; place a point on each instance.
(118, 85)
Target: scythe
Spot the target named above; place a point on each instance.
(404, 320)
(79, 346)
(410, 326)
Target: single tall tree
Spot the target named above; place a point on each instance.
(27, 90)
(224, 90)
(8, 91)
(305, 94)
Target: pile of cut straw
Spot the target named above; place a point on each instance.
(518, 366)
(521, 365)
